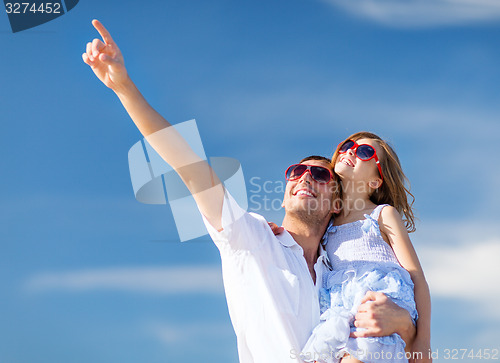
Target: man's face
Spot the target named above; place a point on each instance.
(307, 198)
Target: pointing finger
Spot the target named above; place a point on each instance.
(102, 31)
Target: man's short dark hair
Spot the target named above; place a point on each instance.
(316, 157)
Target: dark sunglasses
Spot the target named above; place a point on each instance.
(363, 152)
(318, 173)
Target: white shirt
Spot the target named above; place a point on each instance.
(272, 299)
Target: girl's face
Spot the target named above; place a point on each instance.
(350, 167)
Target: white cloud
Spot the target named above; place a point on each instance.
(467, 271)
(422, 13)
(461, 262)
(157, 280)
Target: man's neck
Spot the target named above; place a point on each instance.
(308, 236)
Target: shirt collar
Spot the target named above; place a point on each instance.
(287, 240)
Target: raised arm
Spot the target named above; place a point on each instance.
(392, 226)
(106, 61)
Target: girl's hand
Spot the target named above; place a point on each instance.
(274, 227)
(105, 59)
(421, 350)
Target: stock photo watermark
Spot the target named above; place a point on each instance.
(156, 182)
(448, 354)
(29, 14)
(267, 196)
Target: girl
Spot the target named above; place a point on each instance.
(369, 249)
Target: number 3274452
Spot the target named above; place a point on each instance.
(23, 8)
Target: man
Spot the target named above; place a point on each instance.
(271, 282)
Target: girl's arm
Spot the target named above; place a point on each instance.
(395, 233)
(106, 61)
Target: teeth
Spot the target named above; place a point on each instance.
(347, 162)
(304, 192)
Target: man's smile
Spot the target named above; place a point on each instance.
(305, 192)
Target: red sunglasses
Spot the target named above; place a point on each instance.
(363, 152)
(318, 173)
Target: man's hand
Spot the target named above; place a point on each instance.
(105, 59)
(274, 227)
(380, 316)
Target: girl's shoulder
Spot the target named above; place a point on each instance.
(375, 213)
(386, 210)
(389, 218)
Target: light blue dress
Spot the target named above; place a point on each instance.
(361, 261)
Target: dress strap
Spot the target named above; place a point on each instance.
(371, 221)
(376, 212)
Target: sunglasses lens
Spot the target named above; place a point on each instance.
(295, 171)
(320, 174)
(346, 146)
(365, 152)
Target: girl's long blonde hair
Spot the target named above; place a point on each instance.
(395, 189)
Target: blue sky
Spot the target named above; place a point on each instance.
(91, 275)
